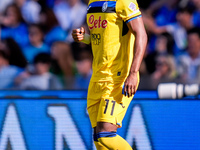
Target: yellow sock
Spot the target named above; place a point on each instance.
(113, 141)
(99, 146)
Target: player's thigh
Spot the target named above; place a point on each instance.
(93, 102)
(113, 105)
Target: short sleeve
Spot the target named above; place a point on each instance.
(127, 9)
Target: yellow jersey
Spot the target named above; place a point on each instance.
(112, 42)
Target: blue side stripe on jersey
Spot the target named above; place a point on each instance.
(106, 134)
(100, 4)
(133, 18)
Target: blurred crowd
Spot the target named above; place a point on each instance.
(37, 51)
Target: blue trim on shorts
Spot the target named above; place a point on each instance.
(106, 134)
(133, 18)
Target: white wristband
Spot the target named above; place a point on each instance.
(86, 39)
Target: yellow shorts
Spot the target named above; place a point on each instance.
(106, 103)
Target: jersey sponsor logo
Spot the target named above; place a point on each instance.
(96, 39)
(132, 6)
(105, 6)
(96, 23)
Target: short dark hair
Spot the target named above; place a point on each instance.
(195, 30)
(170, 41)
(51, 19)
(42, 58)
(17, 11)
(187, 9)
(39, 26)
(15, 53)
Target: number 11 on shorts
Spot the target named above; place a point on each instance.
(113, 105)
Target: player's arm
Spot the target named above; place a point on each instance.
(136, 26)
(79, 35)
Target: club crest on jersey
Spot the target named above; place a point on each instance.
(105, 6)
(132, 6)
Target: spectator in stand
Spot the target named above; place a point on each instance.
(7, 72)
(39, 78)
(84, 68)
(165, 70)
(36, 44)
(14, 26)
(196, 15)
(178, 30)
(63, 63)
(164, 45)
(12, 49)
(188, 63)
(53, 31)
(30, 10)
(163, 11)
(67, 12)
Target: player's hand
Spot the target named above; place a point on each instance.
(131, 84)
(78, 34)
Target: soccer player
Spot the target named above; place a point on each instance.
(118, 39)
